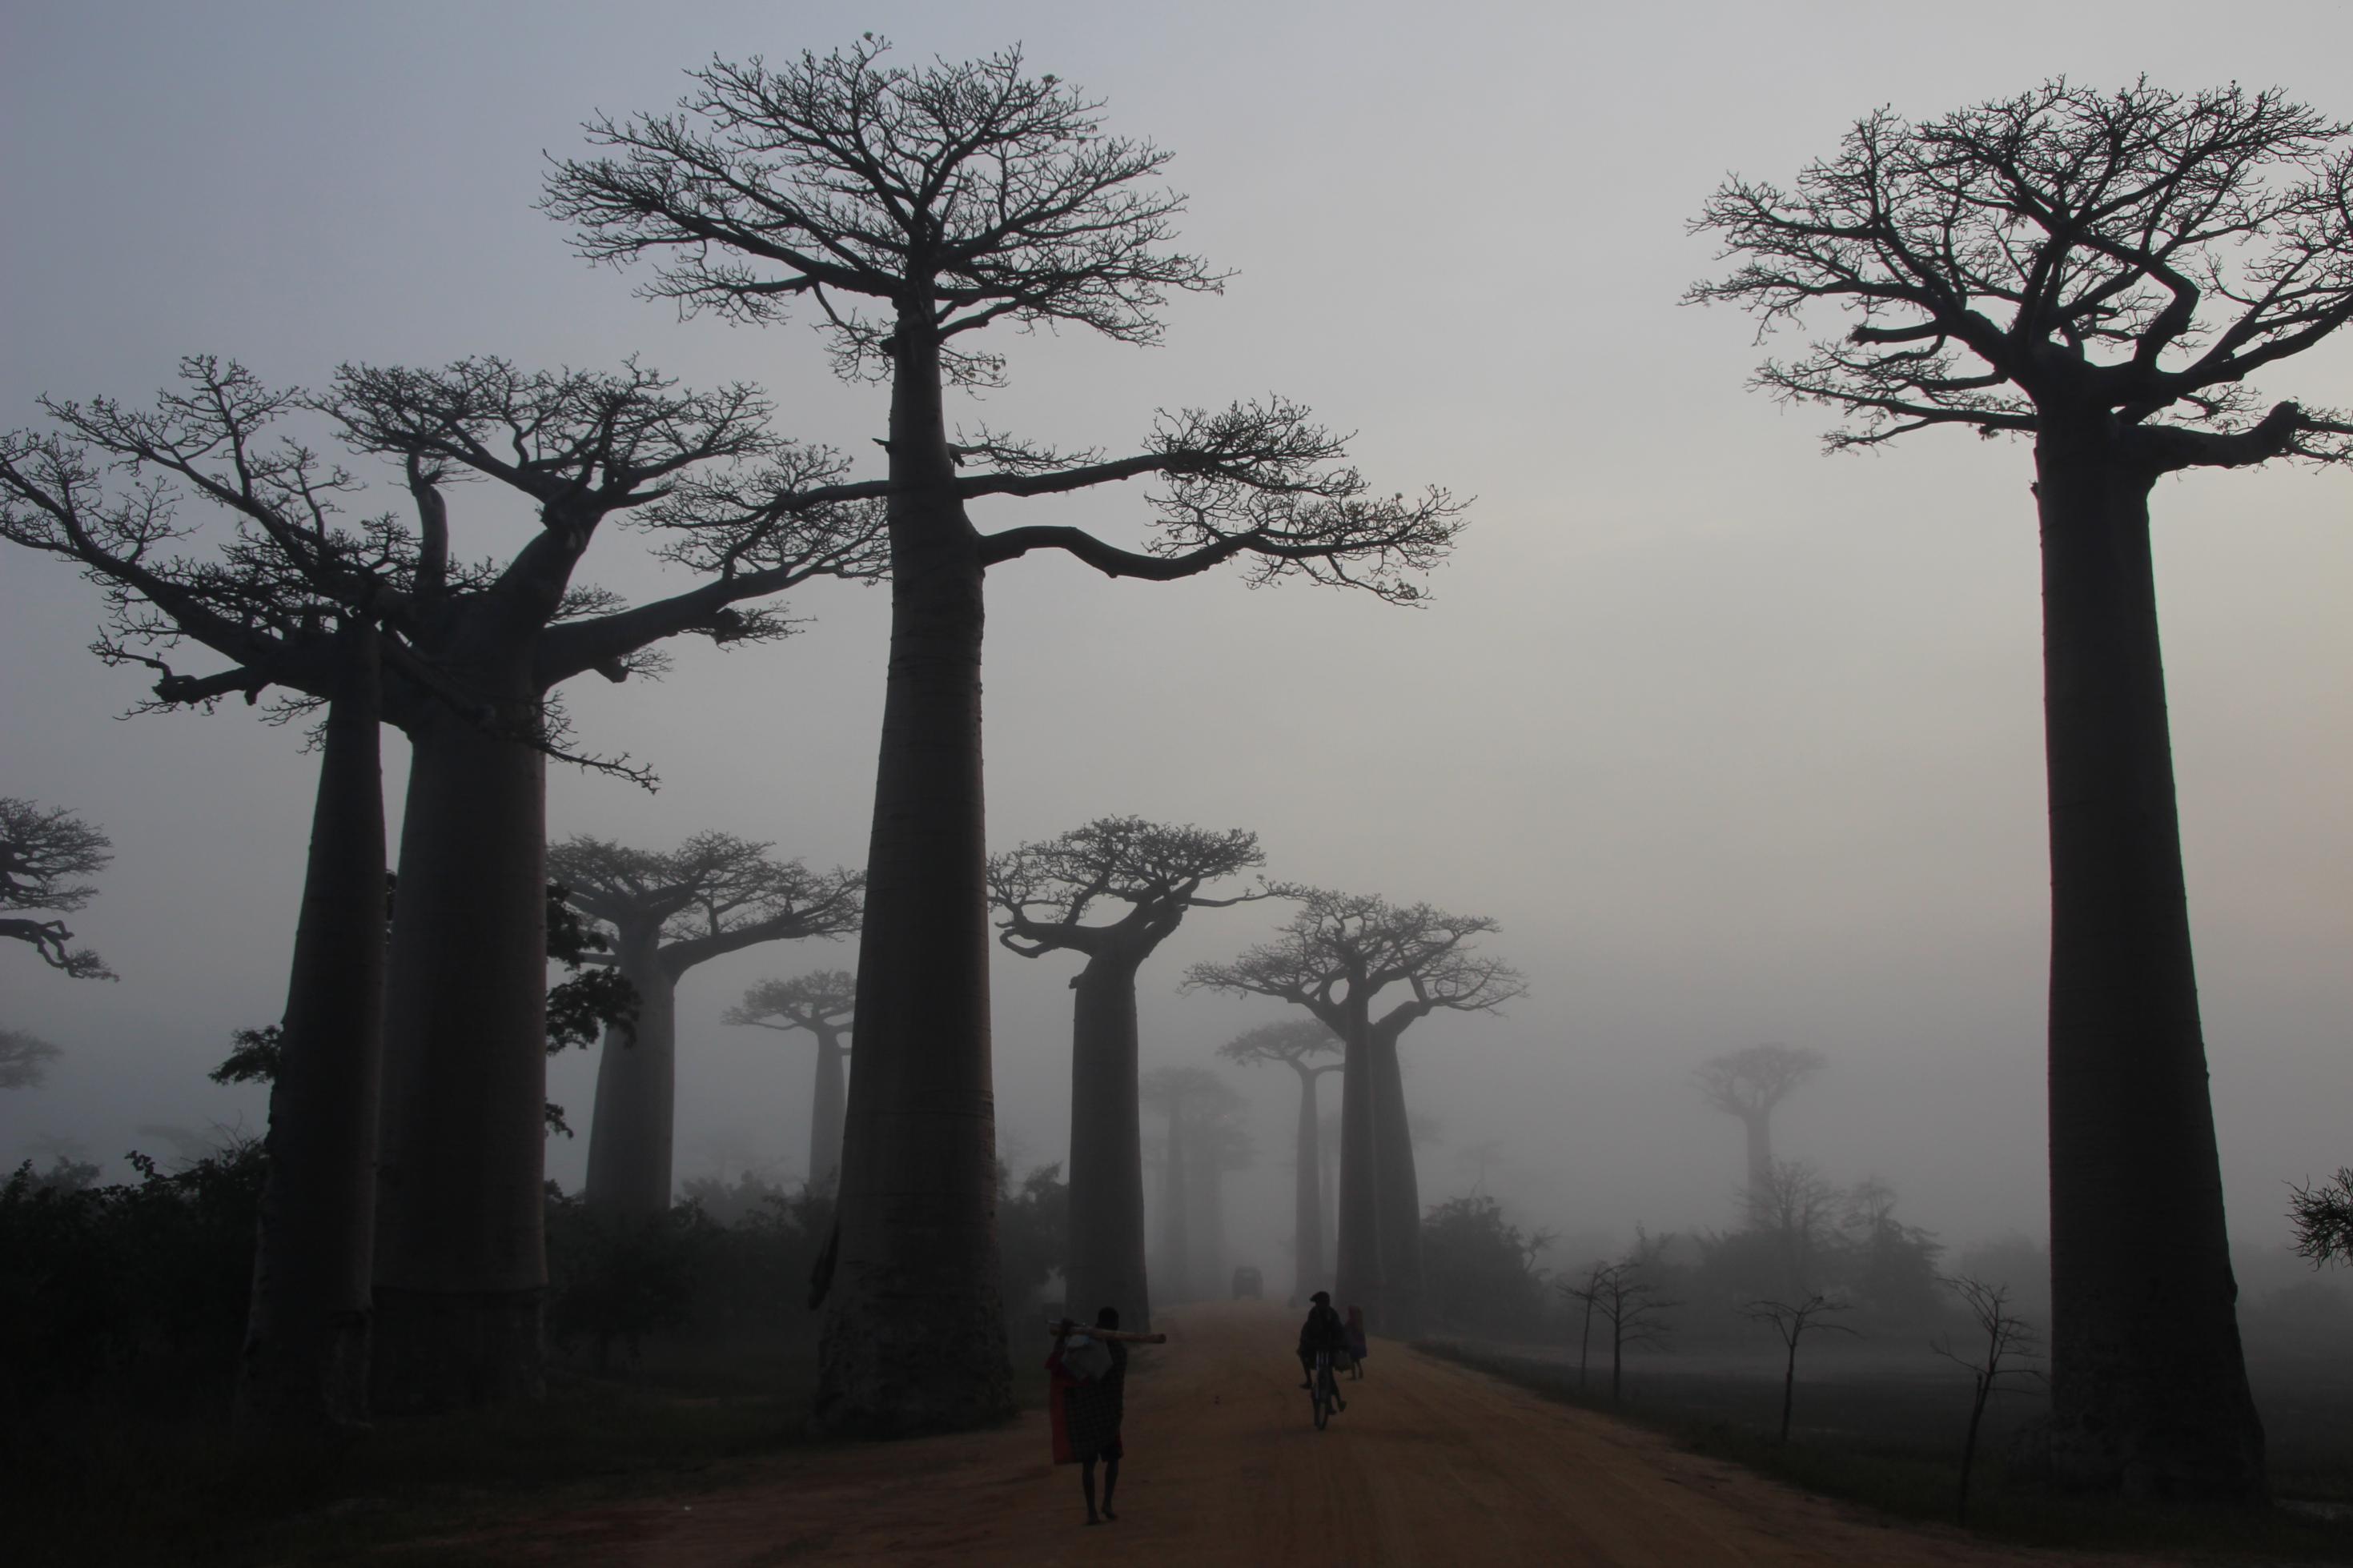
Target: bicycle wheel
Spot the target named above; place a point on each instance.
(1327, 1394)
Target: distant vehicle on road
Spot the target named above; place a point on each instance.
(1247, 1283)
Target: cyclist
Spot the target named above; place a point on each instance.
(1322, 1332)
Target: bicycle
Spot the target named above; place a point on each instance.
(1323, 1390)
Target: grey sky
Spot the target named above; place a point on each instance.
(1740, 742)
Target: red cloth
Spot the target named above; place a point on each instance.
(1057, 1386)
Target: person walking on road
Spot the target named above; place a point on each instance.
(1093, 1402)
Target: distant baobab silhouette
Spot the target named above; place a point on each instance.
(42, 850)
(2103, 272)
(913, 208)
(1333, 958)
(669, 912)
(822, 1004)
(1300, 1044)
(1747, 1084)
(1139, 879)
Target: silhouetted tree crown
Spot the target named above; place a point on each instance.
(713, 894)
(1349, 946)
(1045, 890)
(954, 198)
(1754, 1079)
(43, 852)
(1297, 1044)
(2063, 254)
(823, 998)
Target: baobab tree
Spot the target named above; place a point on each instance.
(915, 207)
(2101, 272)
(667, 913)
(1748, 1083)
(1297, 1045)
(1143, 878)
(296, 603)
(822, 1004)
(460, 1260)
(1204, 1141)
(42, 850)
(24, 1059)
(1333, 957)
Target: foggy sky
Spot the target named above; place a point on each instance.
(1740, 742)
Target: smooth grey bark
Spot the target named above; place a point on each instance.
(825, 1101)
(1358, 1270)
(304, 1362)
(1758, 1125)
(1398, 1189)
(462, 1262)
(1105, 1265)
(2149, 1382)
(1330, 1150)
(1176, 1209)
(914, 1338)
(631, 1128)
(1307, 1190)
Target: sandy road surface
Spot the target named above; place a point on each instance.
(1431, 1462)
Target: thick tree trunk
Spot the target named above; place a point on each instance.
(1329, 1137)
(462, 1262)
(304, 1363)
(915, 1329)
(1211, 1282)
(824, 1112)
(1398, 1190)
(2148, 1385)
(1307, 1198)
(1760, 1127)
(1358, 1274)
(1104, 1266)
(1176, 1212)
(629, 1132)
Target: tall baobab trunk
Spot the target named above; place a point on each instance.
(1760, 1127)
(2150, 1388)
(305, 1358)
(461, 1261)
(1328, 1136)
(1398, 1191)
(1176, 1207)
(825, 1111)
(1358, 1275)
(1105, 1265)
(1307, 1196)
(630, 1135)
(914, 1328)
(1211, 1281)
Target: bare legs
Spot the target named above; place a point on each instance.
(1087, 1485)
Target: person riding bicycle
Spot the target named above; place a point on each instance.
(1323, 1333)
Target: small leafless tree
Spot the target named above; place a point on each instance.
(1748, 1083)
(823, 1004)
(2004, 1341)
(1626, 1296)
(42, 850)
(1790, 1321)
(24, 1059)
(1797, 1208)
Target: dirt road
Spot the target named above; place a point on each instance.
(1431, 1462)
